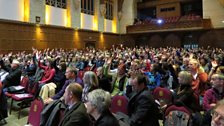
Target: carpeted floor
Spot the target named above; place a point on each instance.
(12, 120)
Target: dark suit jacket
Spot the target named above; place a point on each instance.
(76, 116)
(107, 119)
(13, 79)
(50, 116)
(142, 109)
(105, 83)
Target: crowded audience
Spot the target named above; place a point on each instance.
(194, 76)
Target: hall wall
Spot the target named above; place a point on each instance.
(18, 36)
(203, 38)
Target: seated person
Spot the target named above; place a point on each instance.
(13, 78)
(216, 93)
(185, 94)
(200, 78)
(119, 81)
(97, 105)
(142, 109)
(104, 81)
(212, 96)
(218, 114)
(3, 105)
(71, 76)
(3, 72)
(91, 83)
(29, 67)
(75, 114)
(49, 71)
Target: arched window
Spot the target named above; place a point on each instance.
(109, 9)
(87, 6)
(57, 3)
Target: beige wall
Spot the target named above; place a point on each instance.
(214, 10)
(37, 8)
(128, 14)
(74, 13)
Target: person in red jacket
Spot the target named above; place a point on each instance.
(200, 78)
(49, 71)
(48, 75)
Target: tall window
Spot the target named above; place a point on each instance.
(57, 3)
(109, 9)
(87, 6)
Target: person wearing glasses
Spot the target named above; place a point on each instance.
(218, 114)
(215, 94)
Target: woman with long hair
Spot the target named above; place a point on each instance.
(90, 81)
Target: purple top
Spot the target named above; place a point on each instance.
(67, 82)
(211, 96)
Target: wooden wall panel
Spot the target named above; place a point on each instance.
(21, 37)
(204, 38)
(17, 36)
(172, 40)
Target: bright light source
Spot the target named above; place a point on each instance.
(223, 21)
(159, 21)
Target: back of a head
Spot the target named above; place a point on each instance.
(185, 78)
(73, 70)
(90, 79)
(141, 79)
(76, 90)
(99, 71)
(100, 99)
(218, 75)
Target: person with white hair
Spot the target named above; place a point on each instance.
(13, 78)
(3, 72)
(97, 105)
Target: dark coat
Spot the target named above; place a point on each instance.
(13, 79)
(142, 109)
(107, 119)
(3, 106)
(51, 113)
(187, 98)
(105, 83)
(76, 116)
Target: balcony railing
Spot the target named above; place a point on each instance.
(173, 25)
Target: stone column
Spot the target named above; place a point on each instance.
(99, 12)
(74, 11)
(37, 10)
(128, 15)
